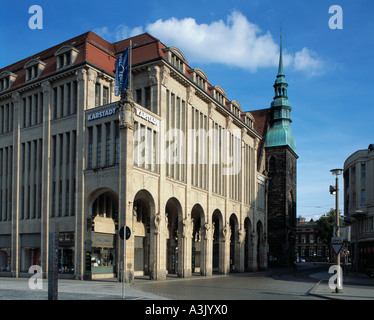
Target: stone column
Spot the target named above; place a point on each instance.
(185, 251)
(126, 128)
(158, 254)
(80, 210)
(240, 247)
(45, 176)
(207, 250)
(15, 238)
(224, 250)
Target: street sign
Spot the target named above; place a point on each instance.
(122, 231)
(337, 244)
(344, 252)
(337, 247)
(336, 240)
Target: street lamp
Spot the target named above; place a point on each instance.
(336, 173)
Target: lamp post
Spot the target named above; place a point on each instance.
(336, 173)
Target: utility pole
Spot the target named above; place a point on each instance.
(337, 172)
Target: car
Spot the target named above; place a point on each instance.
(300, 260)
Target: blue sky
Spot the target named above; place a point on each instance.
(236, 43)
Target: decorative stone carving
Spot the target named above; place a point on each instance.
(152, 76)
(81, 74)
(16, 97)
(187, 228)
(46, 86)
(126, 110)
(226, 232)
(241, 233)
(157, 221)
(165, 76)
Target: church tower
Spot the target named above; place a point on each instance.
(281, 159)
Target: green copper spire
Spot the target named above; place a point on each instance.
(280, 133)
(280, 67)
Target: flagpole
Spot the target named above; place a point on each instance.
(130, 63)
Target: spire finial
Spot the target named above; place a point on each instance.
(280, 67)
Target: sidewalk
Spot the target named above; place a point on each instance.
(18, 289)
(355, 287)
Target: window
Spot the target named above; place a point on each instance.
(311, 238)
(97, 94)
(34, 68)
(363, 197)
(66, 56)
(99, 145)
(105, 95)
(303, 238)
(6, 80)
(116, 129)
(311, 252)
(363, 170)
(147, 103)
(138, 96)
(107, 147)
(89, 162)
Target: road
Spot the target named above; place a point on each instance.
(274, 284)
(277, 285)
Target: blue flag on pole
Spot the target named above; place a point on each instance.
(121, 81)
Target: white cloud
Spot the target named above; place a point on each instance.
(119, 33)
(307, 60)
(235, 42)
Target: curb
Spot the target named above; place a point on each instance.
(311, 292)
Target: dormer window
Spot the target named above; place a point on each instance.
(220, 95)
(200, 78)
(34, 68)
(7, 79)
(176, 58)
(236, 108)
(66, 56)
(249, 119)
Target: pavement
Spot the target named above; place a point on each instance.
(355, 287)
(108, 289)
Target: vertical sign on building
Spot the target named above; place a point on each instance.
(52, 266)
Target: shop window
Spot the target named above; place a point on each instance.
(66, 260)
(103, 257)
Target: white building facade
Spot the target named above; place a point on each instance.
(176, 163)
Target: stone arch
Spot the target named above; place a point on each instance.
(218, 247)
(145, 225)
(174, 216)
(234, 242)
(102, 219)
(198, 221)
(248, 243)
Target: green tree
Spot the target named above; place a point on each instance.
(326, 225)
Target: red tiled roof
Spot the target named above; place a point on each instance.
(261, 117)
(103, 54)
